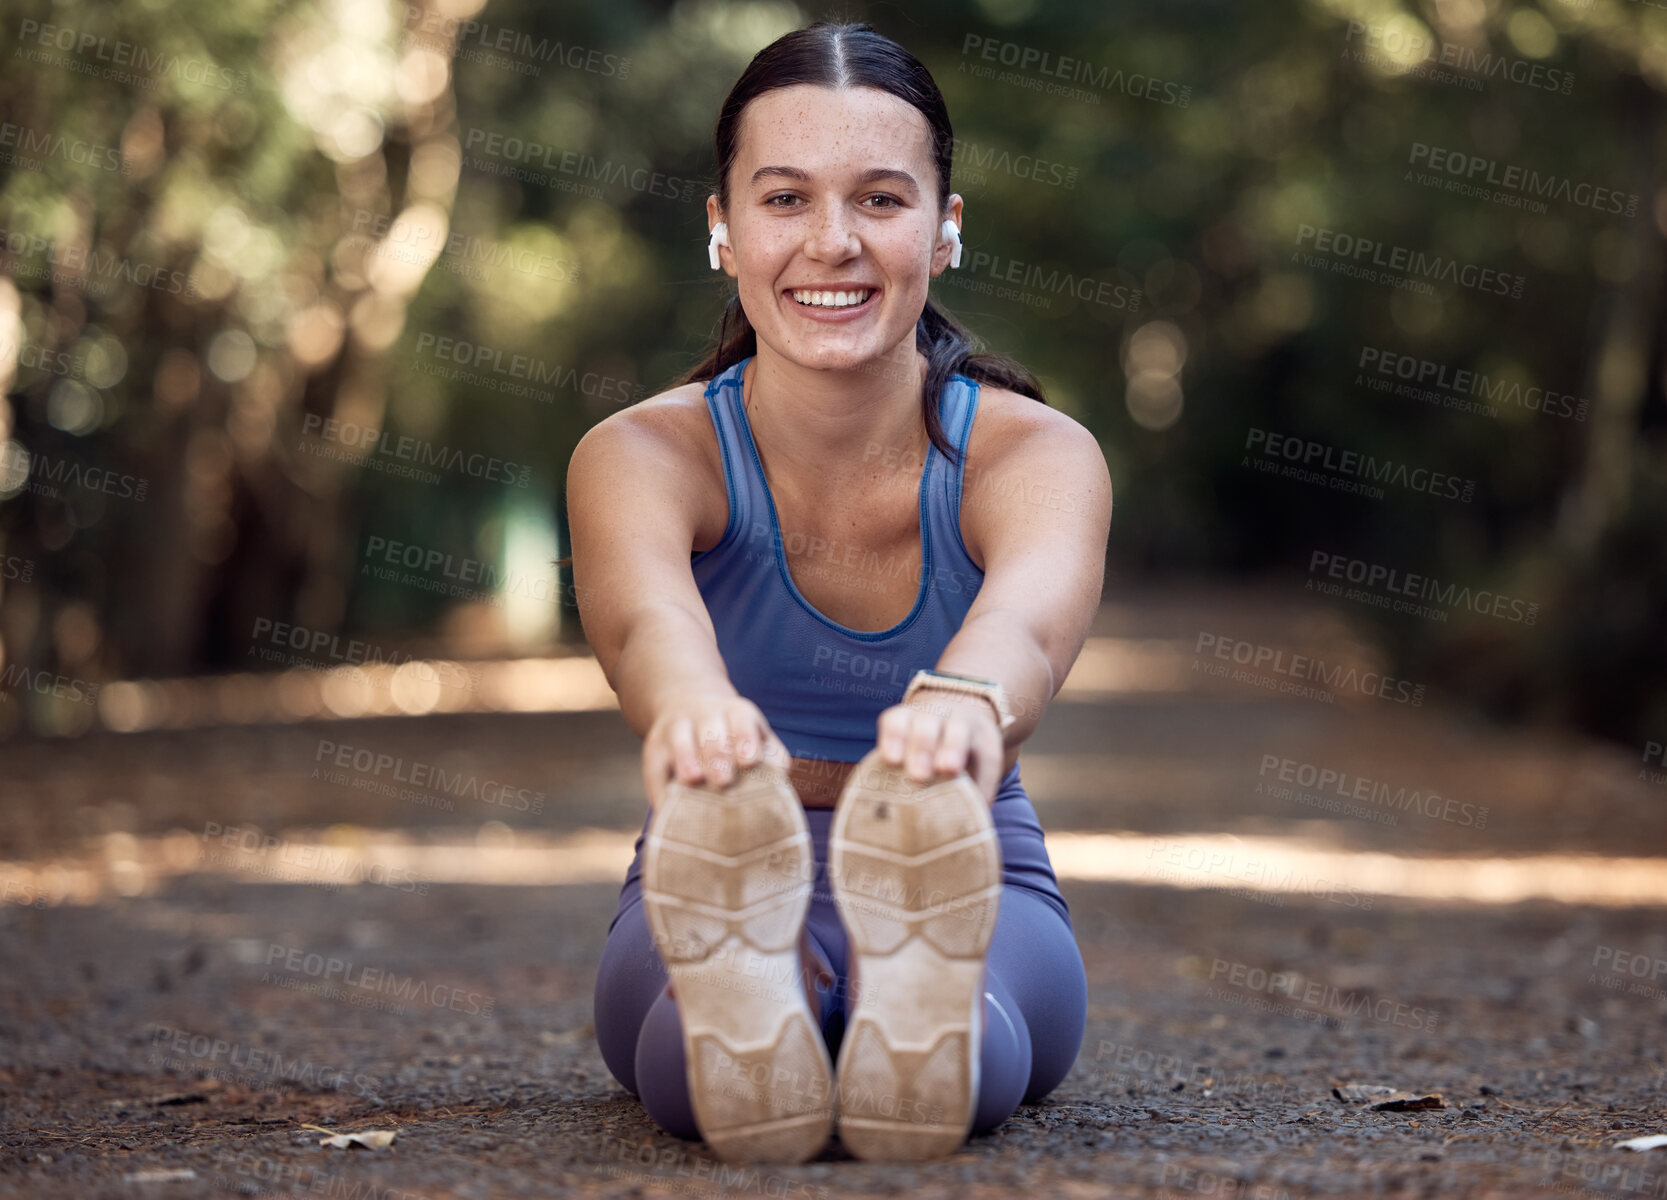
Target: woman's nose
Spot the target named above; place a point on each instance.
(831, 238)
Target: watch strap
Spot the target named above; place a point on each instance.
(966, 685)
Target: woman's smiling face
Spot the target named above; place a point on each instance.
(833, 190)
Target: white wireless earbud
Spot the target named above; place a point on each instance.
(720, 237)
(951, 232)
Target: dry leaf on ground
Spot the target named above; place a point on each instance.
(1648, 1142)
(1387, 1099)
(160, 1175)
(364, 1139)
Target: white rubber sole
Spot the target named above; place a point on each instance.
(727, 878)
(916, 873)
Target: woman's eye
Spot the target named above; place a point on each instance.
(789, 200)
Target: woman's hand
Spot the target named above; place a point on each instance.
(940, 733)
(705, 740)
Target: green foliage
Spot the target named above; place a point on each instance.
(1177, 151)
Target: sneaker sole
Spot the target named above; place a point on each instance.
(916, 873)
(727, 878)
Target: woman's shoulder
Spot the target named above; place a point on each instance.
(674, 422)
(670, 411)
(1022, 448)
(669, 435)
(661, 451)
(1009, 421)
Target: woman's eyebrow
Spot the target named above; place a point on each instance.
(793, 173)
(888, 175)
(871, 175)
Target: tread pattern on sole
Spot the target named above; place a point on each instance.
(916, 873)
(727, 877)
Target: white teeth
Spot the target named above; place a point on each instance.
(832, 299)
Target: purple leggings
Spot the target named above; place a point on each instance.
(1035, 990)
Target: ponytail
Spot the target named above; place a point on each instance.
(736, 340)
(953, 349)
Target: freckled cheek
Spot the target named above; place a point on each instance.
(760, 280)
(902, 258)
(763, 261)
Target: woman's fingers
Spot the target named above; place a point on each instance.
(775, 751)
(925, 731)
(707, 742)
(746, 745)
(715, 750)
(953, 745)
(894, 733)
(684, 756)
(756, 742)
(909, 737)
(942, 737)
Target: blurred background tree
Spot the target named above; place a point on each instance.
(482, 229)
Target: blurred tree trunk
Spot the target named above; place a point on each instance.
(1627, 326)
(238, 522)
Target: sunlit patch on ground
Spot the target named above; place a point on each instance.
(1295, 865)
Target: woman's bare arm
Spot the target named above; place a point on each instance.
(634, 491)
(1041, 508)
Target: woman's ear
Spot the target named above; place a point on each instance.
(947, 251)
(717, 235)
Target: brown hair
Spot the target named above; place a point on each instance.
(831, 55)
(854, 55)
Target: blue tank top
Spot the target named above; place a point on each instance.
(821, 685)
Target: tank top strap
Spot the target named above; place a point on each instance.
(957, 407)
(723, 400)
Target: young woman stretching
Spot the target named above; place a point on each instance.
(789, 567)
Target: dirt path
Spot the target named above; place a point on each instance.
(168, 1036)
